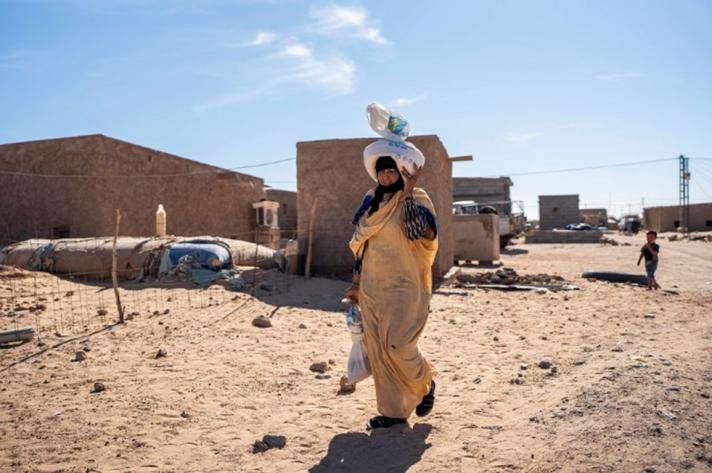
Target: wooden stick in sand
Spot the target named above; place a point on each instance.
(114, 264)
(307, 267)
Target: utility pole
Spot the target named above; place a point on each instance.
(684, 194)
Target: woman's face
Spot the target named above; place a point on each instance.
(387, 177)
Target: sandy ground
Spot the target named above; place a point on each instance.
(631, 390)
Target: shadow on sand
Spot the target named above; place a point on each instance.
(393, 450)
(514, 251)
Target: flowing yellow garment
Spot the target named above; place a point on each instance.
(394, 296)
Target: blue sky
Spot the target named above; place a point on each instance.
(521, 85)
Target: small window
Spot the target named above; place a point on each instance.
(676, 223)
(555, 209)
(708, 223)
(61, 231)
(284, 209)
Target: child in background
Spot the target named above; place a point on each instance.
(650, 251)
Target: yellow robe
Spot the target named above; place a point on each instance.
(394, 297)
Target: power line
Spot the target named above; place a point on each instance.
(270, 163)
(146, 176)
(590, 168)
(700, 186)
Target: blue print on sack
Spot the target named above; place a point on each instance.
(397, 125)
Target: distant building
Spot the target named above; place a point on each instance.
(557, 211)
(667, 219)
(287, 210)
(596, 217)
(494, 191)
(70, 187)
(331, 173)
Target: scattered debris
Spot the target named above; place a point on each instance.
(98, 387)
(545, 364)
(162, 352)
(608, 241)
(185, 415)
(667, 415)
(302, 326)
(507, 279)
(268, 442)
(102, 312)
(259, 446)
(345, 387)
(319, 367)
(23, 334)
(79, 356)
(261, 321)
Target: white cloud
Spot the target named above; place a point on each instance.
(619, 76)
(299, 65)
(334, 73)
(333, 19)
(405, 101)
(297, 50)
(520, 137)
(262, 38)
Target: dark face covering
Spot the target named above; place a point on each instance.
(385, 162)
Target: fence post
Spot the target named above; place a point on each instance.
(312, 215)
(114, 264)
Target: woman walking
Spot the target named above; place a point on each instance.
(394, 245)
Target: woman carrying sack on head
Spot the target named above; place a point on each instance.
(394, 244)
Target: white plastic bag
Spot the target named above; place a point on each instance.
(388, 124)
(358, 366)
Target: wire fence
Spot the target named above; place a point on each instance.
(75, 302)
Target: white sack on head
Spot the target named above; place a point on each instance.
(405, 154)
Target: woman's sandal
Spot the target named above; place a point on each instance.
(426, 405)
(383, 422)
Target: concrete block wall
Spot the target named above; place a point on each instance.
(484, 190)
(564, 236)
(594, 216)
(476, 237)
(664, 219)
(556, 211)
(201, 200)
(332, 172)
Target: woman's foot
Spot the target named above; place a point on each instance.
(383, 422)
(426, 405)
